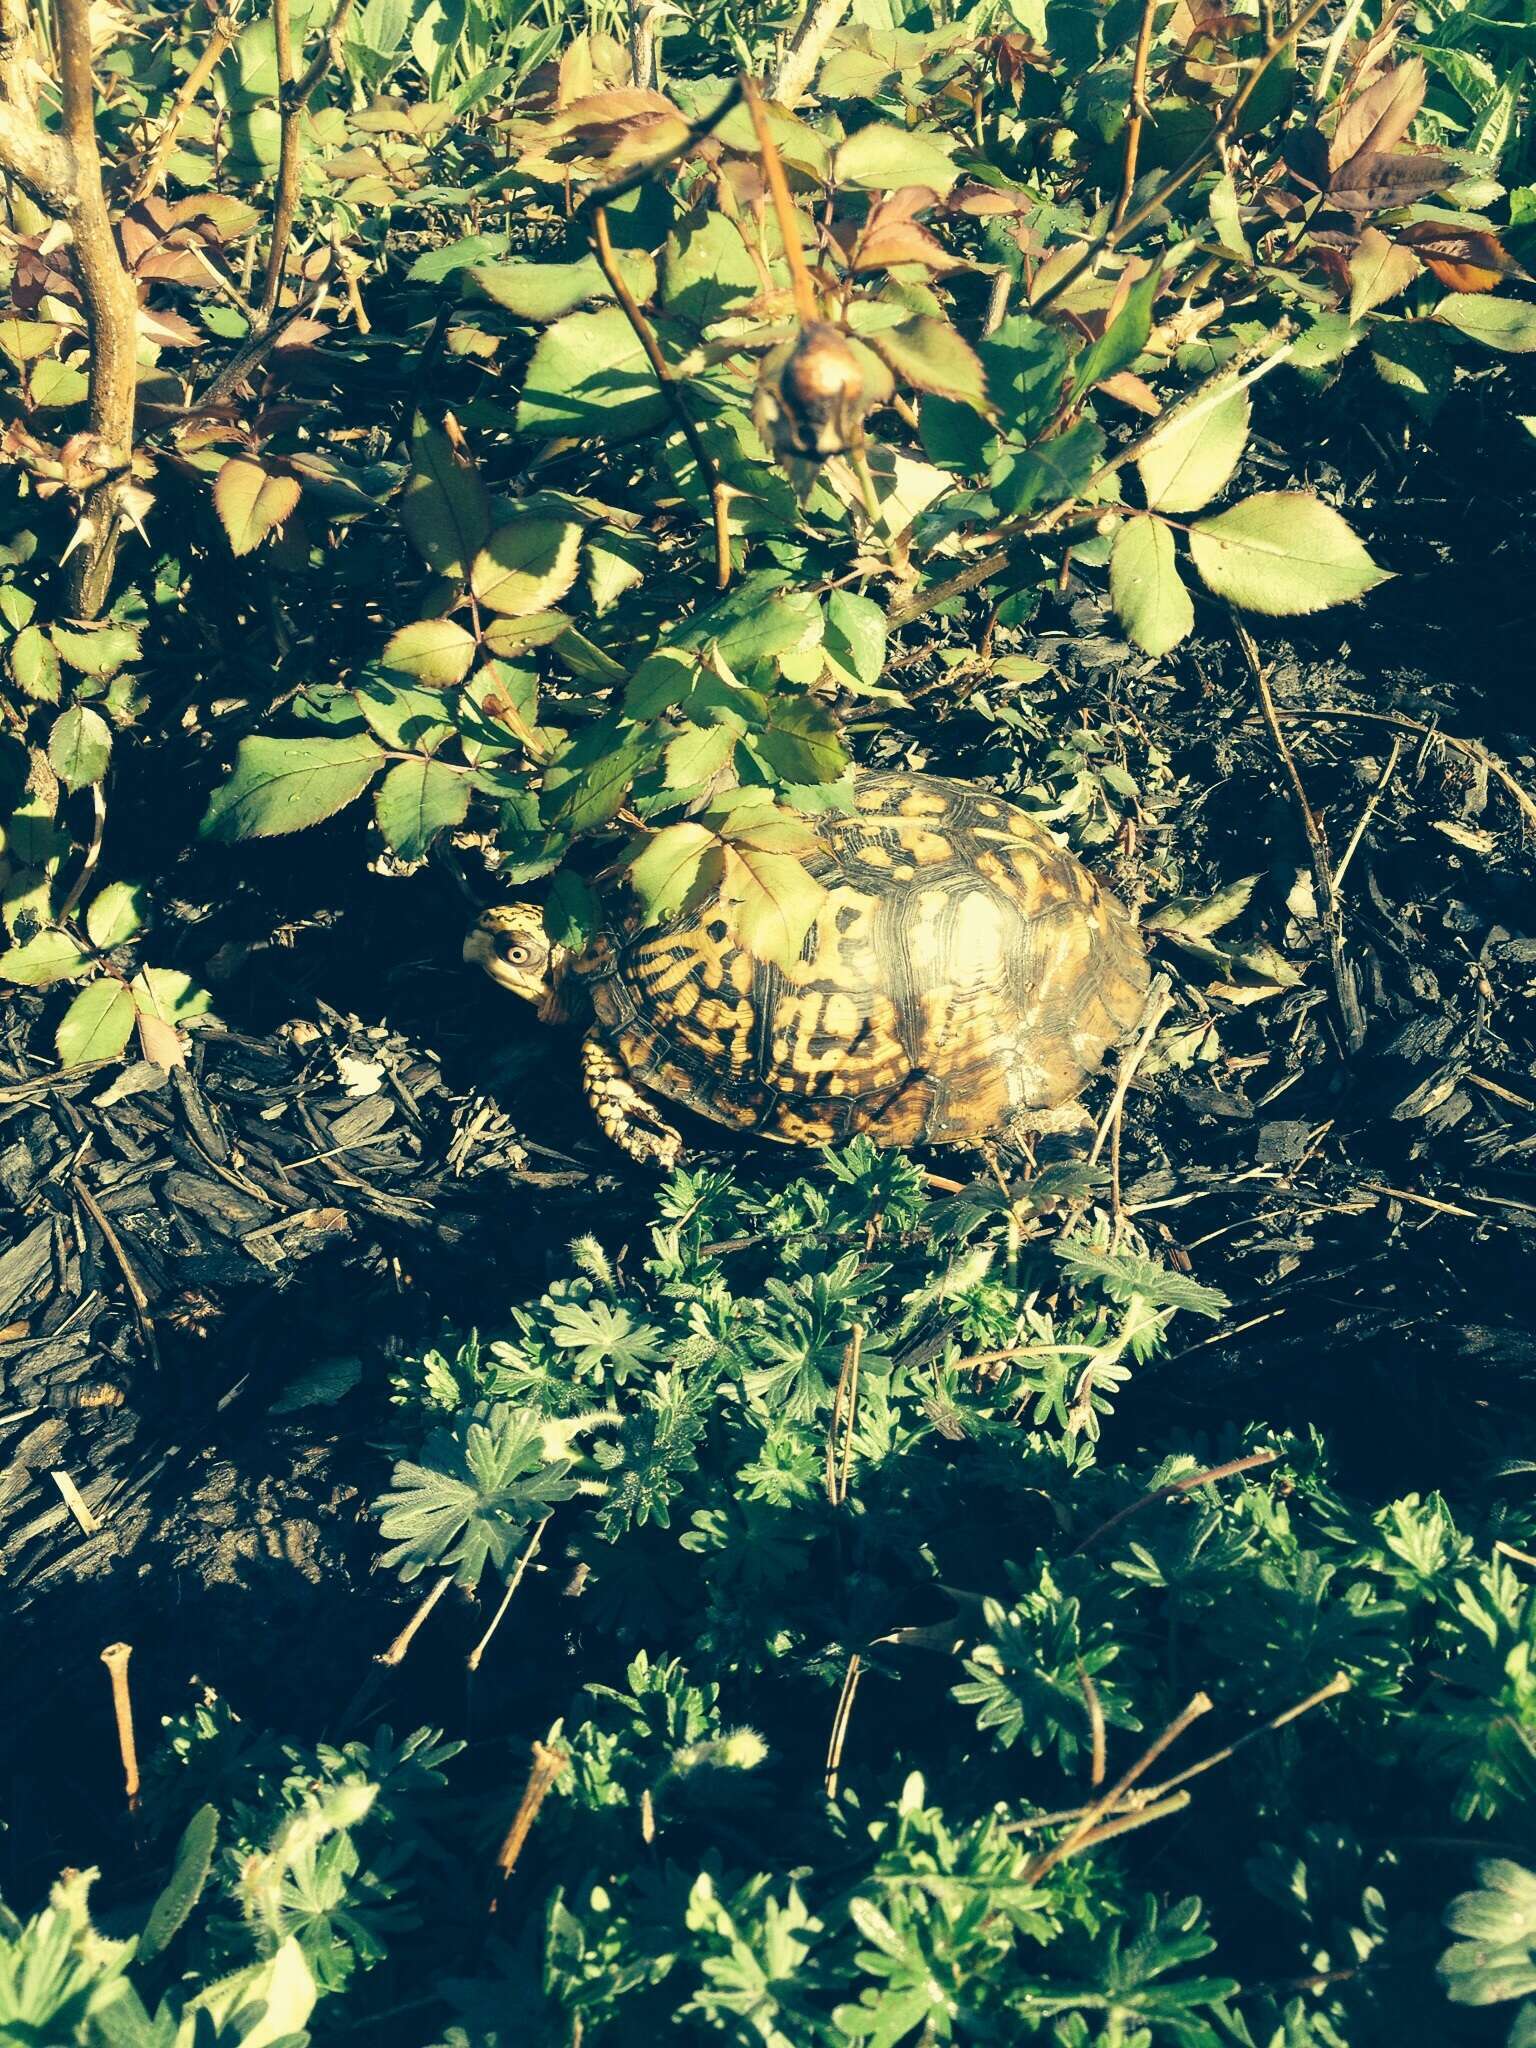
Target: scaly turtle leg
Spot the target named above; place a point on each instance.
(625, 1115)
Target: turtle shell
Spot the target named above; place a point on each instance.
(964, 971)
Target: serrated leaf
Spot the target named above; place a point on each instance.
(590, 374)
(930, 355)
(194, 1860)
(169, 996)
(251, 502)
(698, 753)
(526, 566)
(589, 781)
(96, 650)
(1145, 588)
(1051, 472)
(35, 665)
(855, 636)
(97, 1024)
(445, 507)
(775, 900)
(708, 271)
(541, 292)
(404, 715)
(1201, 917)
(285, 785)
(675, 864)
(45, 958)
(417, 800)
(79, 747)
(1185, 466)
(437, 652)
(573, 916)
(1026, 364)
(883, 158)
(1508, 325)
(114, 914)
(1282, 553)
(1123, 339)
(1378, 271)
(800, 742)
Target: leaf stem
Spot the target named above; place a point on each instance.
(395, 1654)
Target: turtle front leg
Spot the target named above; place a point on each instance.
(623, 1112)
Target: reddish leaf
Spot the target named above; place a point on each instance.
(1465, 259)
(1381, 116)
(1375, 183)
(901, 241)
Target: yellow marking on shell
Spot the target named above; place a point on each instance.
(875, 855)
(924, 803)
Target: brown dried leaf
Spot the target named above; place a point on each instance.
(1381, 116)
(1375, 183)
(1465, 259)
(901, 241)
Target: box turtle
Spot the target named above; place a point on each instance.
(962, 979)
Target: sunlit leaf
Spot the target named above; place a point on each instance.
(97, 1024)
(417, 800)
(252, 502)
(437, 652)
(1283, 553)
(284, 785)
(445, 507)
(1145, 588)
(1189, 461)
(526, 566)
(79, 746)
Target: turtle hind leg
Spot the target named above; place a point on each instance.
(627, 1119)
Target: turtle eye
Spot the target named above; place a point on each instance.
(516, 954)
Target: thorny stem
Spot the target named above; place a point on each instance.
(225, 29)
(645, 334)
(292, 99)
(814, 30)
(395, 1654)
(1139, 110)
(806, 308)
(115, 1656)
(845, 1408)
(92, 854)
(1351, 1018)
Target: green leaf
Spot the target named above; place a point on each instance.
(930, 355)
(445, 507)
(46, 957)
(1124, 338)
(114, 914)
(589, 375)
(526, 566)
(97, 1024)
(1417, 359)
(1052, 472)
(80, 746)
(417, 800)
(404, 715)
(800, 741)
(189, 1874)
(17, 606)
(1026, 364)
(506, 637)
(1378, 270)
(855, 636)
(882, 158)
(284, 785)
(97, 650)
(1185, 466)
(1144, 587)
(1508, 325)
(589, 780)
(707, 273)
(54, 384)
(1282, 553)
(698, 753)
(776, 901)
(169, 996)
(541, 292)
(674, 867)
(35, 665)
(437, 652)
(251, 502)
(573, 916)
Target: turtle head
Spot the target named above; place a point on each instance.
(510, 944)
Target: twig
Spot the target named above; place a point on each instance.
(115, 1656)
(73, 1500)
(547, 1765)
(1076, 1836)
(1336, 1686)
(1159, 998)
(840, 1720)
(530, 1551)
(1372, 803)
(246, 358)
(92, 853)
(1473, 749)
(131, 1280)
(845, 1408)
(292, 99)
(1351, 1018)
(807, 312)
(1371, 1187)
(1138, 110)
(111, 315)
(1096, 1735)
(1173, 1488)
(797, 67)
(395, 1654)
(1135, 1817)
(225, 29)
(645, 334)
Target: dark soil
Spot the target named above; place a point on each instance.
(205, 1282)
